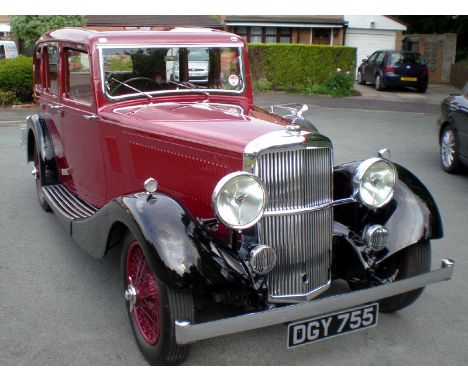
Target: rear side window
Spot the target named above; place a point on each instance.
(37, 69)
(78, 84)
(380, 57)
(51, 53)
(407, 58)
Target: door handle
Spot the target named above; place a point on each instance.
(55, 107)
(90, 117)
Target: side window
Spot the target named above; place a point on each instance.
(78, 80)
(380, 57)
(372, 57)
(51, 84)
(37, 70)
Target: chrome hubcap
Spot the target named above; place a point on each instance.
(131, 294)
(448, 148)
(377, 82)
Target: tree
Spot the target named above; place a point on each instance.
(30, 28)
(441, 24)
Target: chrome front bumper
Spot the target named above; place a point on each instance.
(187, 333)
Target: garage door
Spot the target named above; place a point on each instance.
(368, 41)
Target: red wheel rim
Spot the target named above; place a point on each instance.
(146, 310)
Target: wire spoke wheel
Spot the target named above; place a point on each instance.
(146, 309)
(153, 306)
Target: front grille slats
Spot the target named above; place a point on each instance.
(294, 179)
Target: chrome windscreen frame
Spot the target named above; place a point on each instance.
(101, 47)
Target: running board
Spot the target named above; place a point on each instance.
(66, 204)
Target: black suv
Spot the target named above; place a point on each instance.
(390, 68)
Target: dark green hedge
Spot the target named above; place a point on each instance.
(16, 75)
(299, 67)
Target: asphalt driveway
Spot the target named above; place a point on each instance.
(61, 307)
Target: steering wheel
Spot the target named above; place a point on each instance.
(126, 82)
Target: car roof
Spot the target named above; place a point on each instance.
(171, 36)
(396, 51)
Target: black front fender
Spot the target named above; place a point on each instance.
(181, 252)
(411, 216)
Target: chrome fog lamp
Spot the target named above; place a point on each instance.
(262, 259)
(375, 237)
(374, 182)
(239, 200)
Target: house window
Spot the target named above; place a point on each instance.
(242, 31)
(256, 34)
(271, 35)
(321, 36)
(285, 35)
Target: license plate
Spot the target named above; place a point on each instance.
(197, 74)
(321, 328)
(409, 79)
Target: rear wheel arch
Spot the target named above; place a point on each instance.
(444, 126)
(30, 146)
(39, 136)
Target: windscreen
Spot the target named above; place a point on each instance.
(407, 58)
(142, 71)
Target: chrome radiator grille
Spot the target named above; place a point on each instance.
(295, 179)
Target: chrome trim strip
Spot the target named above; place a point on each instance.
(187, 333)
(282, 140)
(63, 201)
(304, 210)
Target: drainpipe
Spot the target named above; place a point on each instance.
(345, 26)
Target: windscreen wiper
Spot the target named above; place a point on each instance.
(129, 86)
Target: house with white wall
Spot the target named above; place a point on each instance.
(371, 33)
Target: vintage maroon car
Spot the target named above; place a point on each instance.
(228, 217)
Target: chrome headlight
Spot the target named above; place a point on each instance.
(239, 200)
(374, 182)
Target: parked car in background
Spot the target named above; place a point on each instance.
(198, 59)
(228, 217)
(392, 69)
(8, 49)
(453, 132)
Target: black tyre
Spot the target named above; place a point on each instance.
(414, 260)
(378, 83)
(449, 150)
(421, 89)
(39, 174)
(153, 307)
(360, 79)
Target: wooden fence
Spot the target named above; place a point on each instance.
(459, 75)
